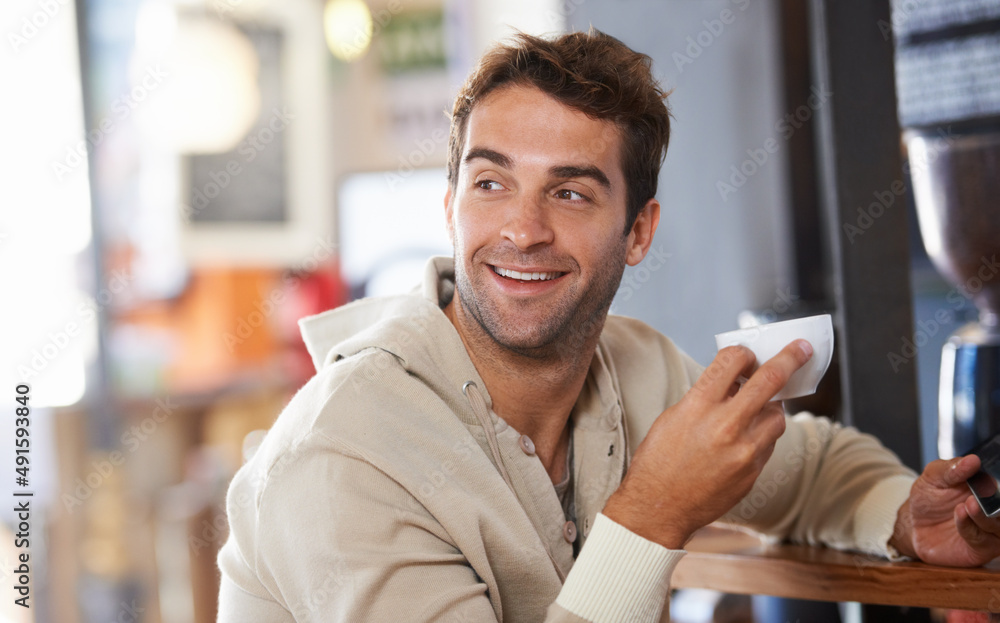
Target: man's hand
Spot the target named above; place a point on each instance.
(941, 522)
(702, 455)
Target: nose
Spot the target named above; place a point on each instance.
(527, 223)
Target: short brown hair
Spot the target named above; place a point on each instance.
(591, 72)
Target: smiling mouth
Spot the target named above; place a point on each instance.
(526, 276)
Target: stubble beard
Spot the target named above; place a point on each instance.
(569, 324)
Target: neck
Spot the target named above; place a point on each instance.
(535, 395)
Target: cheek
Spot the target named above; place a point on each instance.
(611, 251)
(463, 235)
(472, 229)
(591, 238)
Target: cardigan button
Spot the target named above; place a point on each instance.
(569, 531)
(527, 445)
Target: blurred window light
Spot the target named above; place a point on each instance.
(48, 328)
(921, 154)
(155, 27)
(205, 73)
(379, 259)
(348, 27)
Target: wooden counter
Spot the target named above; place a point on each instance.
(734, 562)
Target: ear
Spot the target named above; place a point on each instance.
(447, 216)
(641, 236)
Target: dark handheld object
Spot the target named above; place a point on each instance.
(985, 483)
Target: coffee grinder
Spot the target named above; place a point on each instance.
(956, 186)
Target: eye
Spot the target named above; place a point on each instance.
(570, 195)
(489, 185)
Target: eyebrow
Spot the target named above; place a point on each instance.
(592, 172)
(563, 171)
(493, 156)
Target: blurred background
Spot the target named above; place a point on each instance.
(182, 180)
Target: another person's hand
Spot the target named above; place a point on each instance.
(703, 454)
(941, 522)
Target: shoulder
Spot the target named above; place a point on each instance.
(359, 423)
(338, 396)
(369, 408)
(634, 345)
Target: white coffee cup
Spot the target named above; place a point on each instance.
(767, 340)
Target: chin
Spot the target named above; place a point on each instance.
(503, 333)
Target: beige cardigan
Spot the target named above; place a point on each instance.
(388, 490)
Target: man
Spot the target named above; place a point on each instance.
(495, 447)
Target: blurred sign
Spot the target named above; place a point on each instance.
(947, 59)
(413, 41)
(413, 57)
(916, 16)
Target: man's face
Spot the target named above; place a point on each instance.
(536, 217)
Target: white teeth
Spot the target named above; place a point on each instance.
(513, 274)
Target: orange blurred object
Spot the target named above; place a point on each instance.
(235, 324)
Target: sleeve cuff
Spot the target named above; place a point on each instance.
(618, 576)
(875, 517)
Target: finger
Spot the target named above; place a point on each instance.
(717, 380)
(966, 526)
(987, 525)
(949, 473)
(769, 424)
(773, 375)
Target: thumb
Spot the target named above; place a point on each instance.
(947, 474)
